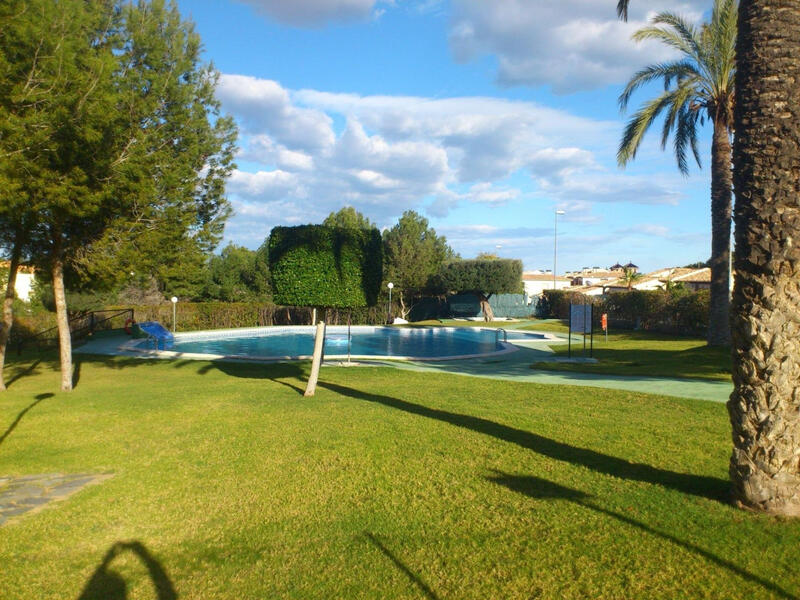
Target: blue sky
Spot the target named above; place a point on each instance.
(483, 116)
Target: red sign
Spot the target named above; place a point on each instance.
(604, 322)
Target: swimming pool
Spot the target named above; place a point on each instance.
(297, 342)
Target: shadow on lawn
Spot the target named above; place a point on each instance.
(20, 372)
(23, 412)
(698, 485)
(292, 375)
(107, 584)
(542, 489)
(702, 361)
(429, 593)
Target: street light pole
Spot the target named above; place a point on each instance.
(389, 285)
(555, 245)
(174, 301)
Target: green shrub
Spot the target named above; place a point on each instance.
(556, 303)
(314, 265)
(675, 311)
(199, 316)
(484, 276)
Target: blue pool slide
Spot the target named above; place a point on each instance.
(160, 335)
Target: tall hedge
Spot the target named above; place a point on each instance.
(677, 312)
(493, 276)
(315, 265)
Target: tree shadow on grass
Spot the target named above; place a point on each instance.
(20, 372)
(697, 485)
(23, 412)
(289, 374)
(542, 489)
(76, 371)
(713, 364)
(107, 584)
(415, 579)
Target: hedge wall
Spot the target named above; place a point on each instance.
(198, 316)
(497, 276)
(314, 265)
(681, 312)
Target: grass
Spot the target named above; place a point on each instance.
(638, 353)
(386, 484)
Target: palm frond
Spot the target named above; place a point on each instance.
(686, 137)
(687, 32)
(638, 126)
(670, 71)
(622, 9)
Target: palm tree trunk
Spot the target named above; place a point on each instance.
(8, 309)
(64, 339)
(764, 408)
(719, 331)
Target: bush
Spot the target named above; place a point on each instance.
(198, 316)
(677, 312)
(556, 303)
(314, 265)
(485, 276)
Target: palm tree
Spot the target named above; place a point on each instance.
(630, 276)
(766, 357)
(764, 407)
(698, 85)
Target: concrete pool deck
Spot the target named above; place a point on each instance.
(513, 366)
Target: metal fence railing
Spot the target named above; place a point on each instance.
(80, 326)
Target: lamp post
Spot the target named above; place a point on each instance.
(174, 301)
(555, 245)
(389, 285)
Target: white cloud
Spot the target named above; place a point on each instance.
(570, 45)
(486, 193)
(418, 164)
(314, 13)
(614, 187)
(485, 138)
(262, 149)
(647, 229)
(436, 155)
(556, 164)
(265, 185)
(263, 106)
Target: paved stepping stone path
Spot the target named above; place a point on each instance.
(21, 495)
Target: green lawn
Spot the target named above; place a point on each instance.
(386, 484)
(638, 353)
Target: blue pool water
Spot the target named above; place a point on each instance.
(432, 342)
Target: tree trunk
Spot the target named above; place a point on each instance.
(403, 309)
(64, 339)
(488, 313)
(719, 329)
(8, 310)
(764, 408)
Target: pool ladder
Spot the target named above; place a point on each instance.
(497, 335)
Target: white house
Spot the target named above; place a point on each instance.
(695, 279)
(692, 278)
(535, 282)
(24, 284)
(591, 276)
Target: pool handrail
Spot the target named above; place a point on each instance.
(497, 335)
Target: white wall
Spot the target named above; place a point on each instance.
(24, 286)
(535, 288)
